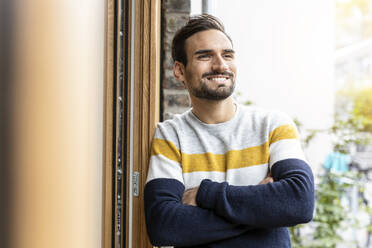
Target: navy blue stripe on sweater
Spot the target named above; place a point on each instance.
(226, 214)
(171, 223)
(255, 238)
(288, 201)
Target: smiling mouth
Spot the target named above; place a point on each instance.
(218, 79)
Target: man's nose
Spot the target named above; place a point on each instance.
(219, 64)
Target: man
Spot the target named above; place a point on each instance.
(222, 174)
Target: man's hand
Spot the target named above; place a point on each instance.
(189, 196)
(268, 179)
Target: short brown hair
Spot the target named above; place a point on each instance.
(195, 24)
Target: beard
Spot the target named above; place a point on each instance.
(221, 93)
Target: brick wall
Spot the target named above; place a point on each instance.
(175, 99)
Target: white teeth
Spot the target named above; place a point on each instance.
(218, 79)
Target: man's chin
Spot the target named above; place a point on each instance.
(215, 96)
(216, 93)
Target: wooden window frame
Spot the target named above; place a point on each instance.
(140, 114)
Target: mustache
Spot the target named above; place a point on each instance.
(212, 73)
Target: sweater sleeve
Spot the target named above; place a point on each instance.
(168, 221)
(171, 223)
(288, 201)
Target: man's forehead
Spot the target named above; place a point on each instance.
(208, 40)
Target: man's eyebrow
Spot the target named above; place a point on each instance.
(203, 51)
(229, 51)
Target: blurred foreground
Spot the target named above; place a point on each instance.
(52, 56)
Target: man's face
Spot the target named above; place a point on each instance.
(210, 70)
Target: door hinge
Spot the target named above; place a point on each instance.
(136, 183)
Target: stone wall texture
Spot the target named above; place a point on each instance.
(175, 99)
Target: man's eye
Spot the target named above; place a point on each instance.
(229, 56)
(204, 56)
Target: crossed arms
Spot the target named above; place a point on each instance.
(225, 211)
(189, 196)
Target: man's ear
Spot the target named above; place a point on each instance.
(179, 71)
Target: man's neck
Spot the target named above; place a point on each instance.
(213, 112)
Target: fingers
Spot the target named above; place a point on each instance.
(268, 179)
(189, 196)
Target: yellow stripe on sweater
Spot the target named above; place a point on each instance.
(165, 148)
(233, 159)
(283, 132)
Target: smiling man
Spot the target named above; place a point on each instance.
(223, 174)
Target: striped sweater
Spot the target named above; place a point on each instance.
(227, 160)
